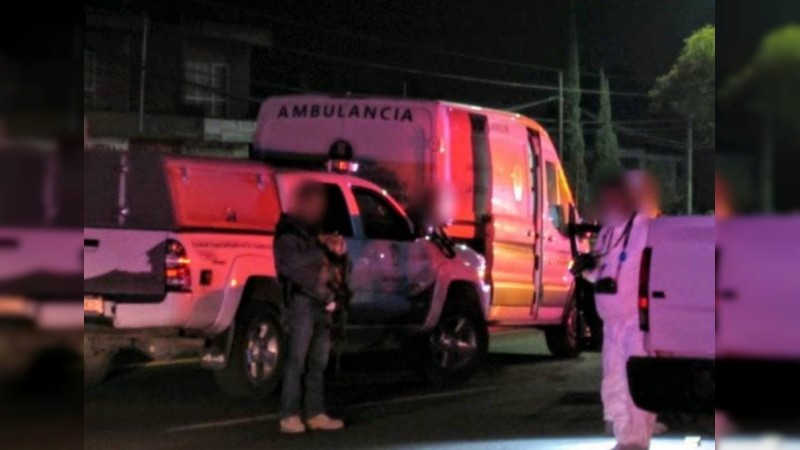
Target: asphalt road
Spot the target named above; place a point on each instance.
(522, 399)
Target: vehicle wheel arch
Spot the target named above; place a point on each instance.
(564, 340)
(262, 296)
(449, 292)
(463, 293)
(461, 304)
(262, 289)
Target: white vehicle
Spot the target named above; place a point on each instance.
(493, 177)
(677, 312)
(40, 261)
(178, 258)
(757, 309)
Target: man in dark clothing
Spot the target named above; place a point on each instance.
(303, 264)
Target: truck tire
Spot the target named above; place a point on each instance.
(255, 364)
(564, 340)
(96, 367)
(453, 351)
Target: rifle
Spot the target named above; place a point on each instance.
(339, 283)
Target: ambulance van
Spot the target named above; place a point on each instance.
(493, 178)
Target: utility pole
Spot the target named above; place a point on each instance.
(405, 89)
(561, 114)
(689, 165)
(143, 73)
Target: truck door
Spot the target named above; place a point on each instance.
(556, 254)
(384, 254)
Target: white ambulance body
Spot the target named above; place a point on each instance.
(499, 181)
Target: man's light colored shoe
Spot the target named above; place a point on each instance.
(292, 425)
(324, 423)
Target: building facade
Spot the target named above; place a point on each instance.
(181, 87)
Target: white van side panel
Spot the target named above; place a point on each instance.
(682, 321)
(758, 288)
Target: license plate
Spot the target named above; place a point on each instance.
(93, 306)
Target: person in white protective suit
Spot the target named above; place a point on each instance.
(619, 249)
(645, 191)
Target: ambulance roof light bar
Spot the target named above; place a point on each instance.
(340, 158)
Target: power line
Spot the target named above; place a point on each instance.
(669, 143)
(397, 44)
(530, 105)
(449, 76)
(656, 121)
(463, 78)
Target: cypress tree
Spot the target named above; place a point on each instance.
(606, 144)
(575, 151)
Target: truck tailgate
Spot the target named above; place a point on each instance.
(682, 286)
(124, 264)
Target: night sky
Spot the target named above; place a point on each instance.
(345, 46)
(633, 40)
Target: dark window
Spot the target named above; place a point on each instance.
(338, 218)
(207, 86)
(380, 219)
(89, 78)
(534, 155)
(558, 198)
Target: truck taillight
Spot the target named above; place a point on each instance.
(177, 274)
(644, 289)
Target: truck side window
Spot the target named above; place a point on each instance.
(338, 218)
(557, 198)
(380, 219)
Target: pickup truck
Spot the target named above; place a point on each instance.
(40, 264)
(677, 313)
(178, 259)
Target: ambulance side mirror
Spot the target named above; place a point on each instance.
(579, 231)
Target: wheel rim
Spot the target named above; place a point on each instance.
(262, 352)
(454, 343)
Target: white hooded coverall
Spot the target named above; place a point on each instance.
(622, 337)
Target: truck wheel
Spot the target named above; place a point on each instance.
(255, 363)
(454, 350)
(96, 366)
(564, 341)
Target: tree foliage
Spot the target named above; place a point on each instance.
(770, 83)
(606, 143)
(575, 151)
(689, 87)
